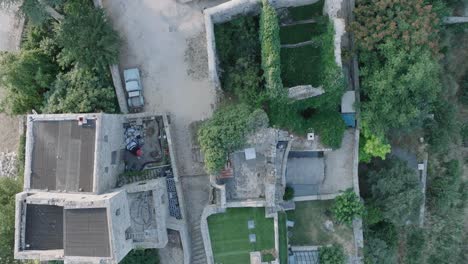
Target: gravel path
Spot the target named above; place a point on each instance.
(10, 35)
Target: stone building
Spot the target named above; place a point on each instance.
(80, 204)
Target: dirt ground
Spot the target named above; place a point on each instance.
(165, 39)
(10, 33)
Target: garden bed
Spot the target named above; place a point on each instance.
(309, 226)
(305, 12)
(292, 34)
(229, 233)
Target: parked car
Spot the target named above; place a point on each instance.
(134, 89)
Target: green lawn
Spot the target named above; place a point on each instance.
(283, 238)
(306, 12)
(309, 229)
(302, 32)
(300, 66)
(229, 235)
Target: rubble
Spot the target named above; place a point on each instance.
(8, 164)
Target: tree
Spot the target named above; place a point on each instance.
(141, 256)
(36, 10)
(395, 189)
(444, 187)
(226, 132)
(86, 37)
(400, 92)
(8, 189)
(26, 77)
(413, 23)
(332, 255)
(80, 91)
(347, 206)
(376, 251)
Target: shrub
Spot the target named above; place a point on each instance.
(332, 255)
(26, 77)
(371, 145)
(80, 91)
(443, 192)
(226, 132)
(347, 206)
(288, 193)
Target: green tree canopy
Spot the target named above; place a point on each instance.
(226, 132)
(395, 189)
(26, 77)
(86, 37)
(80, 91)
(400, 92)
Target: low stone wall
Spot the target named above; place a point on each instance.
(318, 197)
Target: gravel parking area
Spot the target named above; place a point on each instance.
(166, 40)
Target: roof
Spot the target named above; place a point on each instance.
(63, 155)
(86, 233)
(347, 102)
(44, 227)
(305, 172)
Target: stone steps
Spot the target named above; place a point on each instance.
(198, 249)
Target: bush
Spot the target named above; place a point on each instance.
(226, 132)
(270, 50)
(347, 206)
(26, 77)
(444, 128)
(443, 192)
(415, 243)
(332, 255)
(80, 91)
(288, 193)
(371, 145)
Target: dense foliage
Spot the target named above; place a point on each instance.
(396, 191)
(35, 10)
(62, 67)
(271, 47)
(238, 49)
(8, 189)
(226, 132)
(86, 37)
(80, 91)
(26, 77)
(347, 206)
(332, 255)
(141, 256)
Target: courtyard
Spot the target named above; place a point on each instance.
(232, 235)
(314, 226)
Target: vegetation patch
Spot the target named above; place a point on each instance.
(229, 235)
(301, 65)
(309, 225)
(305, 12)
(283, 237)
(293, 34)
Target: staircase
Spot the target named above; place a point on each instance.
(198, 249)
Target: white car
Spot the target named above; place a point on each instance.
(134, 89)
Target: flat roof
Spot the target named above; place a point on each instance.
(305, 172)
(63, 155)
(44, 227)
(347, 102)
(86, 233)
